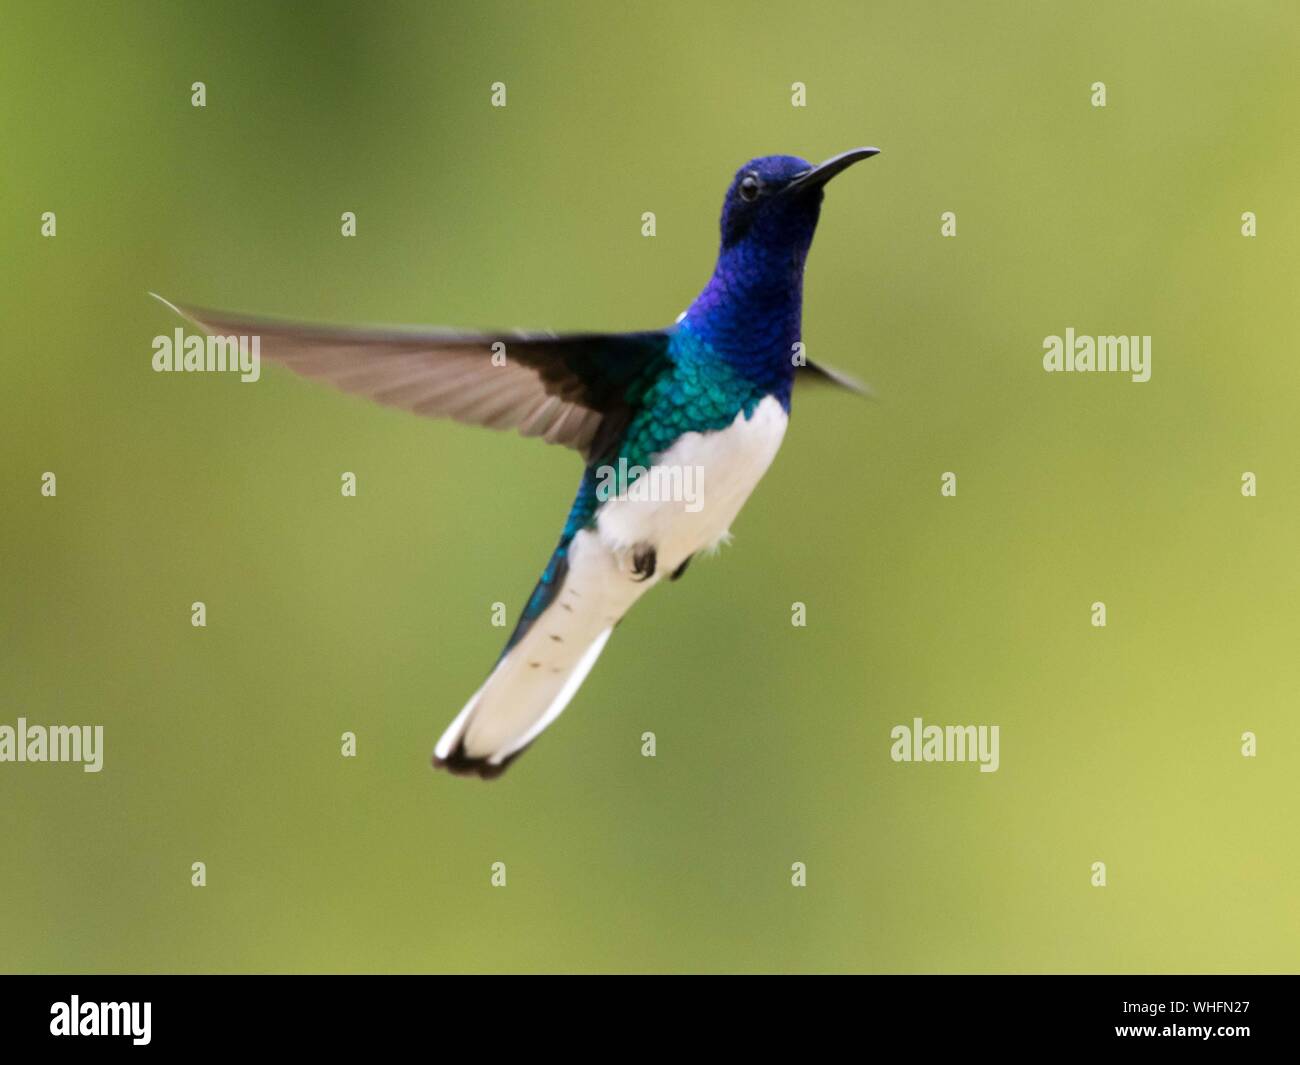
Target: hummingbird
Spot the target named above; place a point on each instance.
(710, 393)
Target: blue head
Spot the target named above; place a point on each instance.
(751, 308)
(759, 215)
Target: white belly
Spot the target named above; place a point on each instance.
(532, 684)
(716, 471)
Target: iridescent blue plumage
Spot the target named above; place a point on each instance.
(750, 313)
(699, 390)
(734, 345)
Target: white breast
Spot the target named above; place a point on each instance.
(721, 468)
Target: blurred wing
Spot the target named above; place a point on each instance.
(827, 375)
(561, 388)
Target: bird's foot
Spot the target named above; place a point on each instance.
(680, 569)
(644, 561)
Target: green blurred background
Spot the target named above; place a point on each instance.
(372, 614)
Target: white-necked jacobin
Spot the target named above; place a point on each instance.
(711, 393)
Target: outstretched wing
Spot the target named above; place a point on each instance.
(564, 388)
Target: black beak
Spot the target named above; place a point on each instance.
(819, 175)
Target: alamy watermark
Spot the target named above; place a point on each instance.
(75, 1017)
(197, 353)
(919, 742)
(1084, 354)
(53, 743)
(656, 484)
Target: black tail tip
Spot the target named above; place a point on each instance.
(460, 764)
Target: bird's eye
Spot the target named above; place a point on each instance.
(749, 188)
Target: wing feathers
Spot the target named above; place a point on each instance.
(559, 388)
(818, 372)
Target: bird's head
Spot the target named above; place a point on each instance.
(751, 309)
(774, 200)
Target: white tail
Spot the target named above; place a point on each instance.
(528, 690)
(534, 682)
